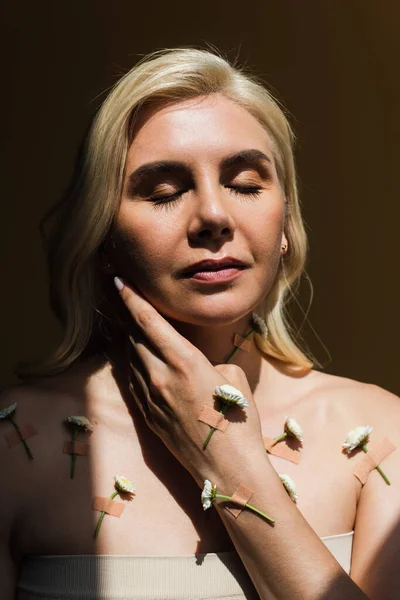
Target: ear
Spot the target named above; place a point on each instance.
(284, 244)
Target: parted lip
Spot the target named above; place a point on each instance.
(211, 264)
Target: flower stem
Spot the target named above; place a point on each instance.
(223, 497)
(259, 512)
(248, 334)
(378, 468)
(222, 411)
(99, 522)
(22, 439)
(73, 455)
(279, 438)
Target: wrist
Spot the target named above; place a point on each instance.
(229, 471)
(263, 486)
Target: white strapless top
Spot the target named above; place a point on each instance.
(219, 576)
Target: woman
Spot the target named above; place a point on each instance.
(183, 221)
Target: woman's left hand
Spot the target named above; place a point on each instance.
(173, 380)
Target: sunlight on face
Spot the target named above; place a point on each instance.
(200, 184)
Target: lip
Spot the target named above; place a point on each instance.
(227, 263)
(213, 277)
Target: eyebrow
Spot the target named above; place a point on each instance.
(252, 156)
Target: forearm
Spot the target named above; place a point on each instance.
(287, 559)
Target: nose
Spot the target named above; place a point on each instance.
(211, 218)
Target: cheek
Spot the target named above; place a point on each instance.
(265, 237)
(265, 230)
(142, 247)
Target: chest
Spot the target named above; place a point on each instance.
(165, 515)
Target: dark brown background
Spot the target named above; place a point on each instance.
(334, 65)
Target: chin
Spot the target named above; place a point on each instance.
(206, 310)
(212, 316)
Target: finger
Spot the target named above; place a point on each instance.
(170, 345)
(148, 356)
(138, 381)
(139, 390)
(152, 373)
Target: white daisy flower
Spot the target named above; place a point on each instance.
(123, 484)
(208, 494)
(82, 422)
(259, 325)
(357, 437)
(293, 428)
(7, 411)
(289, 486)
(231, 395)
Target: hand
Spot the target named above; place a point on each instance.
(173, 380)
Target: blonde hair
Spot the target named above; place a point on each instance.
(82, 220)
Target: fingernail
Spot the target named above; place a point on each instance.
(118, 284)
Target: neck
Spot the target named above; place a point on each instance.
(217, 345)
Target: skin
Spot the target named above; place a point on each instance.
(178, 334)
(209, 220)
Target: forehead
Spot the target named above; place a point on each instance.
(199, 129)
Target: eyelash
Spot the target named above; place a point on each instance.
(166, 201)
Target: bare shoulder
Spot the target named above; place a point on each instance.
(22, 407)
(377, 533)
(28, 407)
(46, 402)
(39, 407)
(38, 414)
(357, 403)
(32, 400)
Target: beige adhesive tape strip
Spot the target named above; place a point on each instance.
(242, 343)
(80, 448)
(27, 431)
(282, 450)
(213, 418)
(373, 458)
(240, 496)
(111, 507)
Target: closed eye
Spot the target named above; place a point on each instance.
(160, 200)
(249, 191)
(167, 201)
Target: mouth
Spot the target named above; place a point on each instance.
(214, 269)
